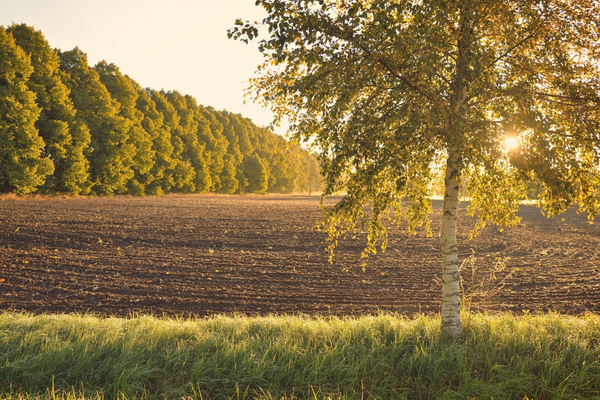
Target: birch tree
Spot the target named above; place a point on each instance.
(500, 93)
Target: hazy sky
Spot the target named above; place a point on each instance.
(163, 44)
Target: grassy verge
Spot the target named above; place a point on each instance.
(383, 357)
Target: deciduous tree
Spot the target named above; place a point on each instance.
(216, 145)
(111, 153)
(256, 174)
(66, 138)
(390, 89)
(161, 141)
(23, 166)
(182, 175)
(228, 179)
(122, 90)
(189, 123)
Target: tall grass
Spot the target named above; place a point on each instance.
(382, 357)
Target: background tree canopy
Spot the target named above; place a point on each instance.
(495, 94)
(71, 128)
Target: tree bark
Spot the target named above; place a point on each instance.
(451, 325)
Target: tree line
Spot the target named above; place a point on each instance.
(68, 127)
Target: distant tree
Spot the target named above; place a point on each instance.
(66, 138)
(161, 171)
(193, 152)
(270, 148)
(111, 152)
(388, 90)
(283, 177)
(229, 181)
(106, 135)
(256, 174)
(183, 173)
(124, 93)
(241, 131)
(234, 155)
(313, 175)
(216, 144)
(237, 128)
(233, 140)
(23, 167)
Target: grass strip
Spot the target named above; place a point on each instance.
(502, 356)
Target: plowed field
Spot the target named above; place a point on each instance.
(203, 255)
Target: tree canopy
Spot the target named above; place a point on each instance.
(23, 166)
(69, 127)
(65, 137)
(391, 91)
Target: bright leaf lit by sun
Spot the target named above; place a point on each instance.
(511, 142)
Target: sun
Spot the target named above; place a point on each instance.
(511, 142)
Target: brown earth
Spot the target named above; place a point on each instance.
(203, 255)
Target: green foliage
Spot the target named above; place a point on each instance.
(122, 90)
(388, 90)
(162, 148)
(285, 171)
(182, 175)
(256, 174)
(313, 176)
(228, 179)
(23, 165)
(375, 357)
(106, 135)
(187, 132)
(216, 145)
(65, 137)
(111, 153)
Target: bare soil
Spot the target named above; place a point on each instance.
(204, 255)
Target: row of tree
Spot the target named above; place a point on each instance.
(68, 127)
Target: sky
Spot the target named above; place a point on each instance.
(162, 44)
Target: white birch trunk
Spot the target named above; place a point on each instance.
(451, 325)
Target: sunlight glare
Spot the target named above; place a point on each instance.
(511, 142)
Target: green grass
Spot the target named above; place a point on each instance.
(382, 357)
